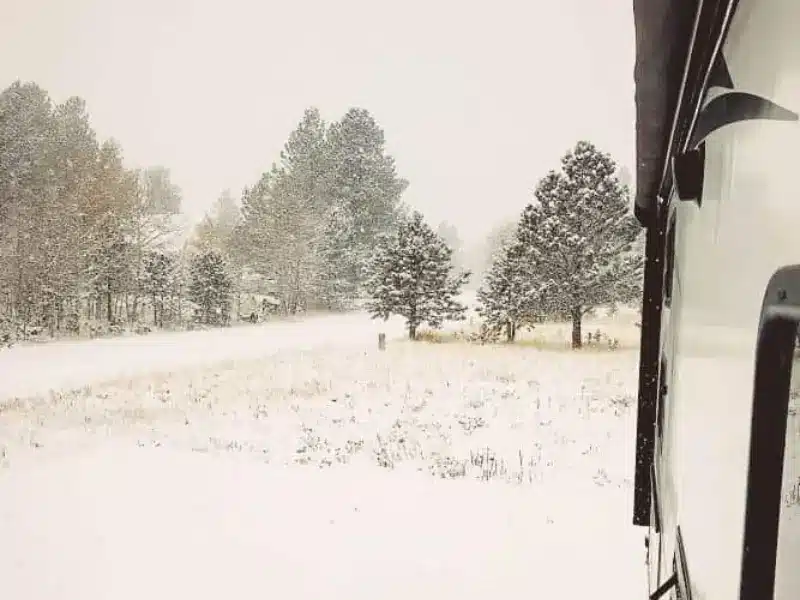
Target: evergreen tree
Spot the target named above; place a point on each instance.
(306, 157)
(364, 191)
(160, 283)
(218, 227)
(110, 260)
(411, 276)
(218, 231)
(161, 195)
(579, 238)
(210, 288)
(506, 298)
(284, 217)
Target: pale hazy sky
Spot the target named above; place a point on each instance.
(477, 99)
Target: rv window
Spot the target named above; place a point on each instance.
(669, 258)
(787, 574)
(772, 512)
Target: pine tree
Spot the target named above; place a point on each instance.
(284, 217)
(110, 270)
(506, 298)
(410, 275)
(365, 193)
(26, 123)
(579, 238)
(161, 195)
(160, 282)
(217, 230)
(210, 288)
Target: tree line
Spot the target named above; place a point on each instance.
(78, 230)
(89, 245)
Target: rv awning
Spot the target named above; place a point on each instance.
(663, 35)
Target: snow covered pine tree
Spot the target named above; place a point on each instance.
(580, 238)
(410, 275)
(505, 300)
(210, 288)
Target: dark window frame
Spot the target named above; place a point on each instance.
(777, 332)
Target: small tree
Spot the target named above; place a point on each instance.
(210, 288)
(410, 275)
(159, 282)
(579, 238)
(506, 296)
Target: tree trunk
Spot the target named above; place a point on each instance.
(412, 331)
(59, 314)
(109, 309)
(577, 337)
(511, 331)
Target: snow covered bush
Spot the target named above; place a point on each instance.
(410, 275)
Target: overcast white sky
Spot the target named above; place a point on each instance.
(477, 99)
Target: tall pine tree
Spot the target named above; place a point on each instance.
(365, 192)
(579, 238)
(284, 217)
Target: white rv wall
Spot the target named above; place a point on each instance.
(748, 227)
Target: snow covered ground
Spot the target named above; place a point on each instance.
(32, 369)
(314, 464)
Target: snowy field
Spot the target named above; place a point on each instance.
(297, 460)
(32, 369)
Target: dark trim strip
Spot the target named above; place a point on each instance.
(777, 331)
(649, 344)
(659, 508)
(682, 568)
(656, 508)
(734, 107)
(665, 587)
